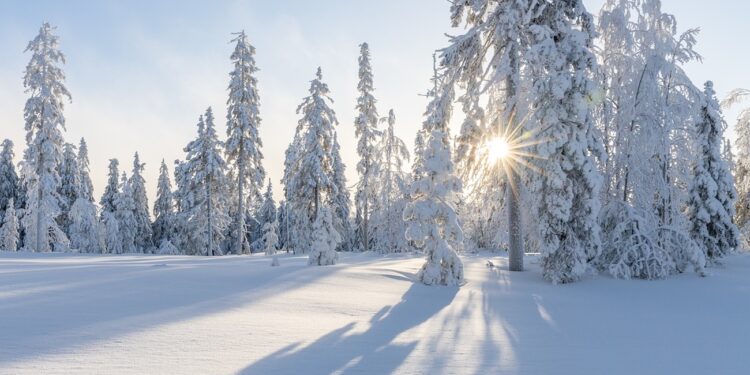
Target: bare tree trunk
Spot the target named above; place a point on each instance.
(514, 223)
(365, 223)
(210, 249)
(240, 207)
(39, 167)
(514, 186)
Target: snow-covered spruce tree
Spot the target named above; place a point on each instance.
(339, 199)
(388, 222)
(87, 186)
(71, 187)
(184, 201)
(366, 130)
(270, 237)
(325, 240)
(267, 211)
(43, 113)
(309, 178)
(125, 214)
(164, 212)
(206, 170)
(9, 235)
(431, 218)
(84, 227)
(417, 163)
(111, 228)
(143, 232)
(567, 192)
(264, 211)
(712, 193)
(9, 184)
(243, 145)
(432, 222)
(283, 228)
(107, 202)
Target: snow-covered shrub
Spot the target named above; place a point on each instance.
(111, 229)
(84, 231)
(9, 236)
(167, 248)
(270, 238)
(325, 239)
(684, 250)
(629, 247)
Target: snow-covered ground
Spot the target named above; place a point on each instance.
(63, 314)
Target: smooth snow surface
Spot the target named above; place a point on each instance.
(67, 314)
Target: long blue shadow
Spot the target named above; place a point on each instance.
(371, 351)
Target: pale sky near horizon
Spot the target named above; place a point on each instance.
(140, 72)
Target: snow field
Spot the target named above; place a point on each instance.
(68, 314)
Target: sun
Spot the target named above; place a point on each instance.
(498, 149)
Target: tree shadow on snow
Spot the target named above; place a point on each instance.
(371, 351)
(74, 307)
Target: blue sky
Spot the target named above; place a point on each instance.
(141, 72)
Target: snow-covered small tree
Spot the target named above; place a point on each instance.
(417, 163)
(84, 227)
(270, 237)
(107, 202)
(325, 239)
(712, 193)
(432, 222)
(431, 218)
(125, 214)
(366, 130)
(164, 212)
(309, 179)
(111, 233)
(71, 187)
(629, 246)
(184, 200)
(339, 199)
(143, 232)
(87, 187)
(9, 235)
(43, 113)
(207, 218)
(243, 145)
(283, 225)
(267, 211)
(9, 184)
(12, 191)
(167, 248)
(392, 183)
